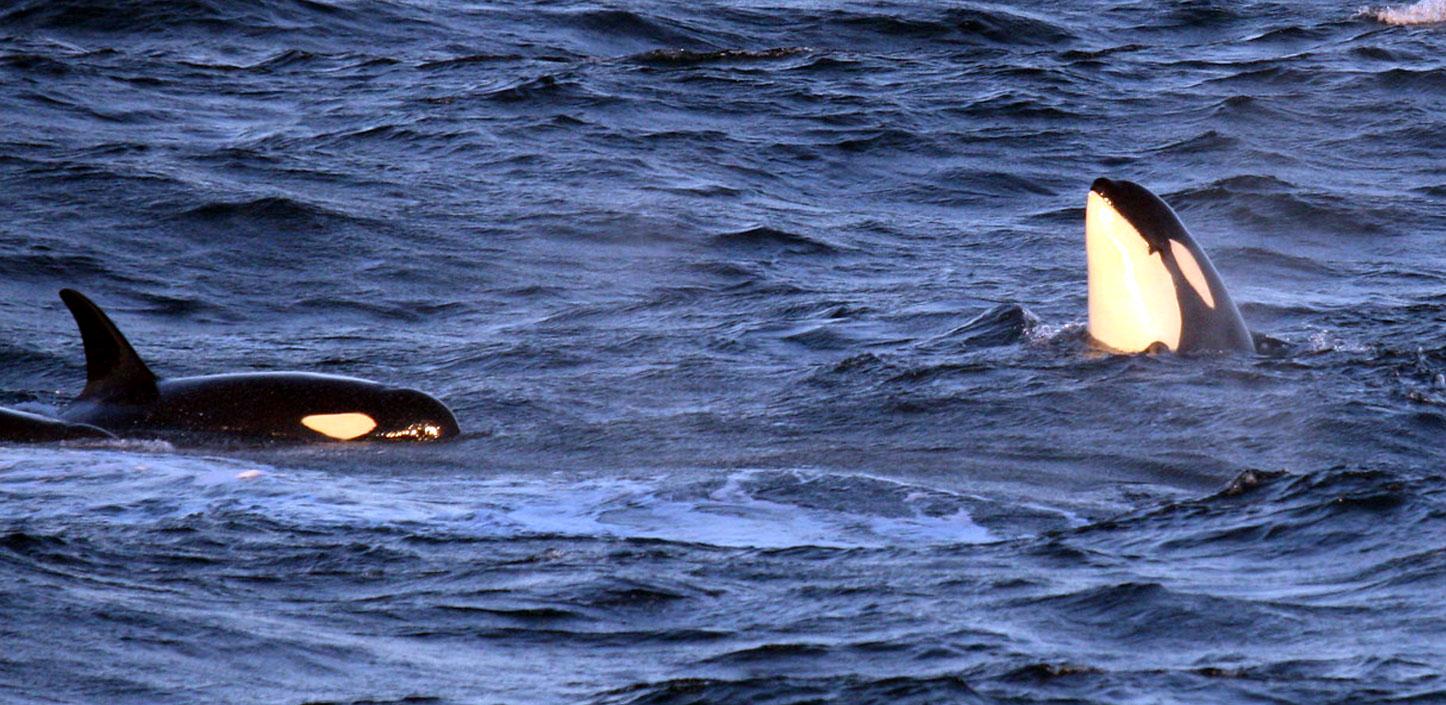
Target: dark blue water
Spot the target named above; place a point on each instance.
(765, 325)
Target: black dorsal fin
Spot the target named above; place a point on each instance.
(113, 370)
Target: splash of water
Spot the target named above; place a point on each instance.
(1424, 12)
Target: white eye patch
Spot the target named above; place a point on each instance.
(342, 427)
(1191, 270)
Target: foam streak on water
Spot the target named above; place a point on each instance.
(765, 324)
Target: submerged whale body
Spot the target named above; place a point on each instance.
(1151, 287)
(24, 427)
(123, 395)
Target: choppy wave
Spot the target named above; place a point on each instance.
(422, 565)
(686, 57)
(762, 509)
(762, 239)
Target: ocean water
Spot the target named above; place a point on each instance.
(764, 322)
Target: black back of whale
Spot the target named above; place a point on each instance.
(1202, 328)
(24, 427)
(123, 395)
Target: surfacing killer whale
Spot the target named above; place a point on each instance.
(1150, 284)
(24, 427)
(123, 396)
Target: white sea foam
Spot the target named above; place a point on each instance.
(750, 509)
(1323, 340)
(734, 513)
(1424, 12)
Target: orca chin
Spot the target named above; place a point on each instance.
(1151, 287)
(123, 395)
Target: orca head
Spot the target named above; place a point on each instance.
(393, 414)
(1142, 262)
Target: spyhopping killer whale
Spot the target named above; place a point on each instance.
(1150, 284)
(123, 395)
(24, 427)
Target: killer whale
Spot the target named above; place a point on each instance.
(24, 427)
(123, 396)
(1151, 287)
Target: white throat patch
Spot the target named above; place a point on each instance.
(342, 427)
(1132, 299)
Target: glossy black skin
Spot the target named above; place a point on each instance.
(124, 396)
(24, 427)
(1202, 328)
(270, 405)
